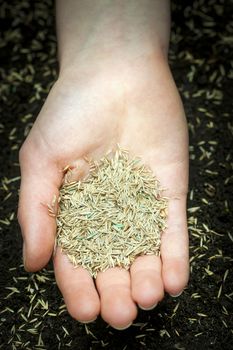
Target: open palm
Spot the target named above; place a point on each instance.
(88, 119)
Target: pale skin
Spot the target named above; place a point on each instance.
(114, 86)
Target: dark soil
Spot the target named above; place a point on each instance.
(32, 312)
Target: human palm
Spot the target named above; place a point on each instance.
(87, 119)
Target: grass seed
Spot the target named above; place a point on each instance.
(114, 215)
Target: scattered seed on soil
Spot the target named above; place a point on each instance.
(28, 48)
(114, 215)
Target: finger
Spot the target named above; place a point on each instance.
(40, 180)
(117, 306)
(174, 247)
(146, 279)
(77, 288)
(173, 177)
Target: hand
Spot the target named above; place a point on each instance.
(86, 116)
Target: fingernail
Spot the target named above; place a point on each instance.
(122, 328)
(177, 295)
(147, 308)
(86, 322)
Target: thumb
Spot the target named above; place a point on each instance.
(40, 182)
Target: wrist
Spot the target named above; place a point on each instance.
(112, 63)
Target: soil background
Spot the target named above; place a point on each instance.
(32, 311)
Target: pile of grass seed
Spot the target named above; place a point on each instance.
(113, 216)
